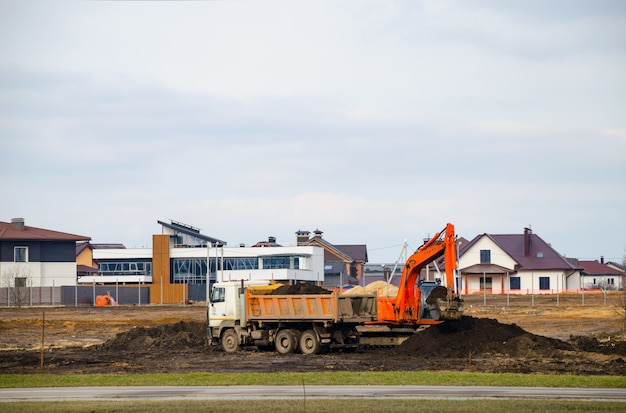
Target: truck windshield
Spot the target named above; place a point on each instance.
(218, 294)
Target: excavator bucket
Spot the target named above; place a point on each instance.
(443, 305)
(451, 309)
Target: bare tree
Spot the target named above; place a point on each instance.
(17, 279)
(623, 306)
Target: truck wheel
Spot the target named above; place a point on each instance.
(309, 344)
(230, 341)
(351, 340)
(285, 342)
(296, 336)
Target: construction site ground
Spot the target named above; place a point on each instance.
(548, 334)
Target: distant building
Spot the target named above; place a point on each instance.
(343, 264)
(36, 256)
(176, 265)
(515, 263)
(598, 275)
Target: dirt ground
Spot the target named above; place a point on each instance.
(541, 334)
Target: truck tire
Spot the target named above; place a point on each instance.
(296, 335)
(230, 341)
(285, 342)
(309, 343)
(351, 340)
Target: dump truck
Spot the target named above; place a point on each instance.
(250, 314)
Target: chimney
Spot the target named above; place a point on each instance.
(18, 223)
(302, 237)
(271, 240)
(317, 233)
(527, 233)
(601, 259)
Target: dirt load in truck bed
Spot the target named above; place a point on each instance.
(300, 288)
(172, 339)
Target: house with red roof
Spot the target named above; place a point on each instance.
(517, 264)
(343, 264)
(37, 257)
(598, 275)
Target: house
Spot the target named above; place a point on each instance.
(343, 264)
(515, 263)
(615, 265)
(598, 275)
(37, 257)
(187, 236)
(85, 264)
(183, 263)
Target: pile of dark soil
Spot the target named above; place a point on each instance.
(479, 336)
(184, 334)
(300, 288)
(593, 345)
(470, 344)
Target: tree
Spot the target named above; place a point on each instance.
(16, 280)
(623, 306)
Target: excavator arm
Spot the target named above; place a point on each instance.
(418, 301)
(436, 302)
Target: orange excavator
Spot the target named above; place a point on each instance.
(105, 300)
(421, 302)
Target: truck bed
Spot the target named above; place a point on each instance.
(312, 307)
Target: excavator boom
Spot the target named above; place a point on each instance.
(420, 301)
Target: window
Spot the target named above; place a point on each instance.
(21, 254)
(485, 256)
(273, 263)
(188, 270)
(515, 283)
(485, 283)
(544, 283)
(218, 295)
(113, 268)
(233, 264)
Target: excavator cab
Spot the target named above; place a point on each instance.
(429, 308)
(438, 303)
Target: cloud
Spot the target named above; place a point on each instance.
(619, 134)
(372, 121)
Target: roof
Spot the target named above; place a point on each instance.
(80, 247)
(616, 265)
(597, 268)
(541, 255)
(85, 270)
(486, 269)
(189, 230)
(356, 252)
(328, 247)
(108, 246)
(12, 232)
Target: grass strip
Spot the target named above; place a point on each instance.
(273, 406)
(318, 378)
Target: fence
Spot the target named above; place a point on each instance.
(72, 295)
(568, 298)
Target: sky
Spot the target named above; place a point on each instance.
(374, 121)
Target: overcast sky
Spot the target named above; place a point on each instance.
(375, 121)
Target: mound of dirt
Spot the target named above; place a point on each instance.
(593, 345)
(471, 336)
(184, 334)
(300, 288)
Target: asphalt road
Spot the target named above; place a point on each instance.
(45, 394)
